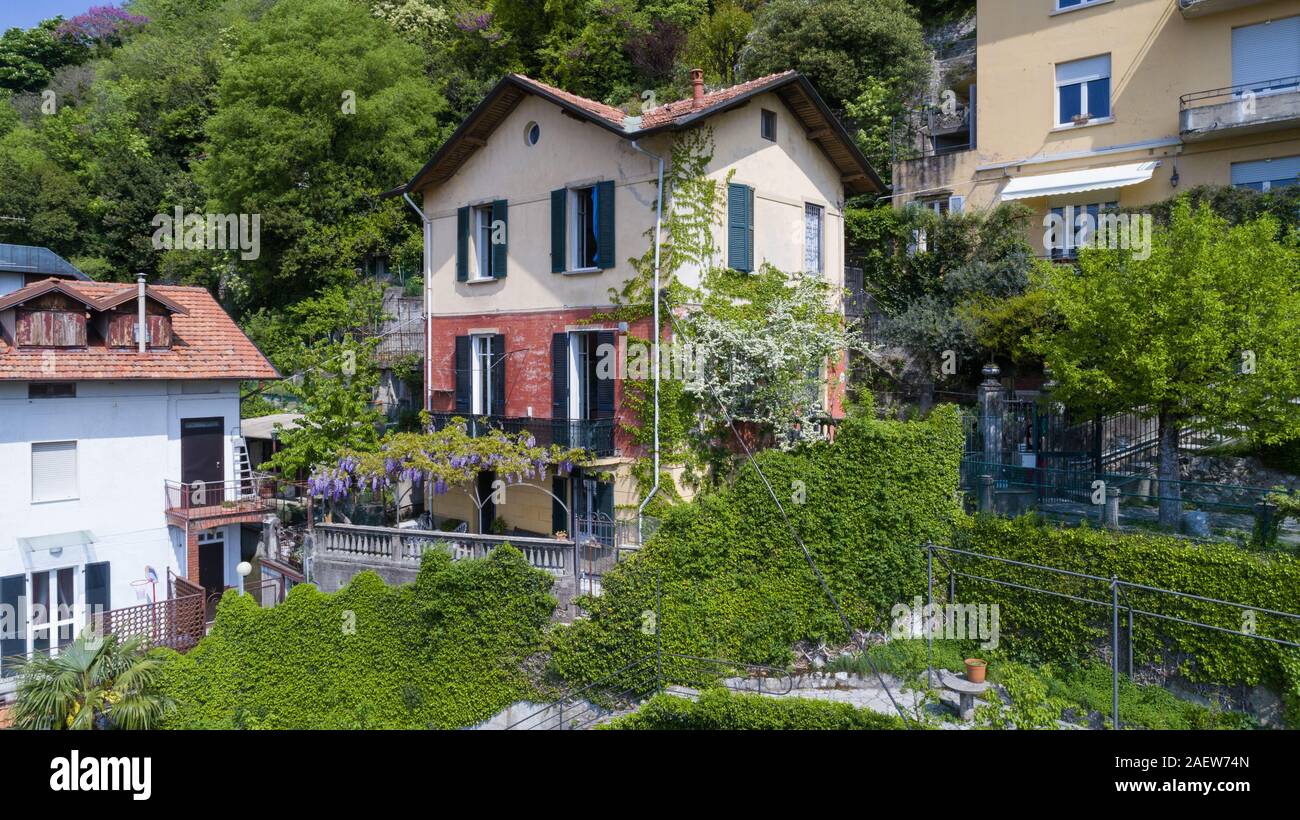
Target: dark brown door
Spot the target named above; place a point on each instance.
(202, 450)
(212, 573)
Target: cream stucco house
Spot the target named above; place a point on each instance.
(1089, 103)
(532, 211)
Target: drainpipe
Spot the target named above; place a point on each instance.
(658, 332)
(427, 224)
(142, 328)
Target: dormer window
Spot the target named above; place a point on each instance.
(120, 327)
(118, 320)
(53, 320)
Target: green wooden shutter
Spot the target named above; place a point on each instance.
(499, 254)
(560, 376)
(740, 227)
(604, 387)
(749, 227)
(559, 226)
(463, 374)
(13, 641)
(462, 244)
(605, 224)
(560, 389)
(98, 596)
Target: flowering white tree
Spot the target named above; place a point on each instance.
(764, 342)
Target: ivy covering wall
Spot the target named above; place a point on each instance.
(443, 652)
(735, 585)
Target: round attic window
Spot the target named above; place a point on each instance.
(532, 133)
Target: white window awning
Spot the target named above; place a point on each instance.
(61, 549)
(1071, 182)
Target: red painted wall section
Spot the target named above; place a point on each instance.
(528, 360)
(528, 363)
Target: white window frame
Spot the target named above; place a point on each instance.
(76, 473)
(480, 357)
(1057, 85)
(481, 223)
(809, 208)
(53, 622)
(579, 390)
(576, 232)
(1057, 8)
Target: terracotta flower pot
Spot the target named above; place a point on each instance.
(975, 668)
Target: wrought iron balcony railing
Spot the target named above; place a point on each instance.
(216, 499)
(1259, 106)
(594, 435)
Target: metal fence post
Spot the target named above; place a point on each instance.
(929, 612)
(1114, 655)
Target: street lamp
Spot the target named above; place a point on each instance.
(243, 569)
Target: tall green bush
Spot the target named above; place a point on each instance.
(721, 709)
(443, 652)
(1053, 628)
(735, 585)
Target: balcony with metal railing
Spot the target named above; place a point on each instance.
(594, 435)
(1250, 108)
(243, 501)
(933, 149)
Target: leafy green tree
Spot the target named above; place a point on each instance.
(594, 62)
(318, 111)
(29, 57)
(93, 683)
(8, 114)
(839, 44)
(335, 387)
(937, 278)
(760, 343)
(716, 42)
(326, 347)
(875, 111)
(1204, 333)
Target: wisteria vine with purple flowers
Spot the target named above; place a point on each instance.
(442, 460)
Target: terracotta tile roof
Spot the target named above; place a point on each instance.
(795, 91)
(207, 345)
(608, 113)
(680, 109)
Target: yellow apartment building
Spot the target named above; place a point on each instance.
(1095, 103)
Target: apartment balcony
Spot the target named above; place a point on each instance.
(215, 503)
(1201, 8)
(1240, 109)
(594, 435)
(932, 149)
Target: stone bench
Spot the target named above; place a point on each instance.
(965, 690)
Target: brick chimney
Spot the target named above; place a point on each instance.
(697, 87)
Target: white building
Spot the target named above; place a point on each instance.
(123, 462)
